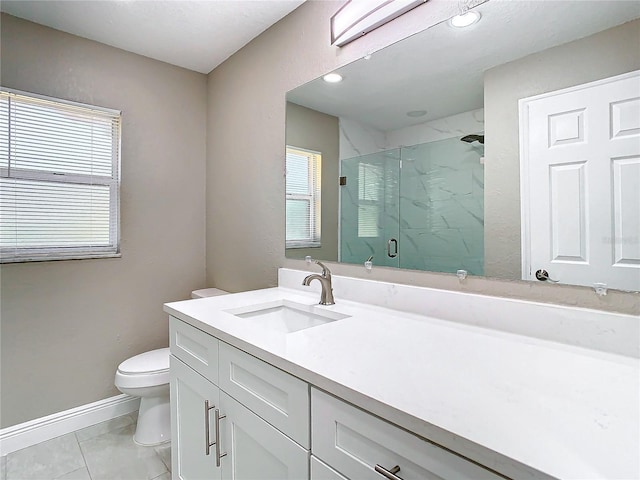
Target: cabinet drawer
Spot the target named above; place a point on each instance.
(279, 398)
(197, 349)
(354, 442)
(321, 471)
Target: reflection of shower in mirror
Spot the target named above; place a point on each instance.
(419, 207)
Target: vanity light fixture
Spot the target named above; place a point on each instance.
(465, 20)
(359, 17)
(416, 113)
(332, 78)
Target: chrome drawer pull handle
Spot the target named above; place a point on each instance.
(207, 433)
(390, 474)
(218, 454)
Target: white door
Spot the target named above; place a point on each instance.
(254, 450)
(193, 399)
(580, 183)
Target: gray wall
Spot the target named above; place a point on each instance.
(307, 128)
(605, 54)
(66, 325)
(245, 141)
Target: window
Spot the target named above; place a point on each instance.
(303, 198)
(59, 179)
(370, 192)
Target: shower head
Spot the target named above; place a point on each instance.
(473, 138)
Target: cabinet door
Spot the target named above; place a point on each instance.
(190, 457)
(252, 449)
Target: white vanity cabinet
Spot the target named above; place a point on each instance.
(237, 417)
(389, 388)
(214, 436)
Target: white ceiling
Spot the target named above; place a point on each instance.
(441, 70)
(198, 35)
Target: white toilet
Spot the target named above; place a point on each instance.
(147, 376)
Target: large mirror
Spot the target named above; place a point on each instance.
(424, 155)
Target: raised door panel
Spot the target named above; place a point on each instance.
(356, 444)
(190, 392)
(252, 449)
(626, 212)
(194, 347)
(281, 399)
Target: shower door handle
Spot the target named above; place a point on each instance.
(395, 248)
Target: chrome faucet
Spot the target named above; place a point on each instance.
(326, 297)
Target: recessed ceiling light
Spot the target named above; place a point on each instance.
(416, 113)
(465, 20)
(332, 78)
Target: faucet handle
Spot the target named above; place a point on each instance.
(325, 270)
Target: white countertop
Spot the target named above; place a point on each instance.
(525, 407)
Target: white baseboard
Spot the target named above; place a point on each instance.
(45, 428)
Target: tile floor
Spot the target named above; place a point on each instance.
(101, 452)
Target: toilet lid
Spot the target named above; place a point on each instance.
(148, 362)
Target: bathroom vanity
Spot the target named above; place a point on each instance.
(396, 381)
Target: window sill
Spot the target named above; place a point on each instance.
(303, 245)
(44, 258)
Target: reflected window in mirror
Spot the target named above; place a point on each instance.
(370, 183)
(303, 198)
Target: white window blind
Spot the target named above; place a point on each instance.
(303, 198)
(59, 179)
(370, 199)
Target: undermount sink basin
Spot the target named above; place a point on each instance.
(287, 316)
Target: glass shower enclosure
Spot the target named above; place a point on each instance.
(419, 207)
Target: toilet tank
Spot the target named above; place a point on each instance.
(207, 292)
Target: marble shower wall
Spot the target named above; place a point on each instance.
(358, 139)
(429, 195)
(454, 126)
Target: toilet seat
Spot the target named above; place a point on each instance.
(145, 370)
